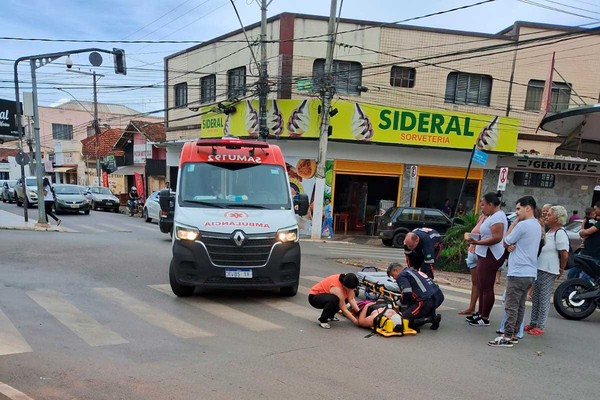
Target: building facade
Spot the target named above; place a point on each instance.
(383, 74)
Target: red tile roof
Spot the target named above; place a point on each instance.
(154, 132)
(107, 140)
(5, 153)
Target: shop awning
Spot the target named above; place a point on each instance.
(64, 169)
(129, 170)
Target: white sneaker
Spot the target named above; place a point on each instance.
(324, 325)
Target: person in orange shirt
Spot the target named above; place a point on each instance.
(331, 295)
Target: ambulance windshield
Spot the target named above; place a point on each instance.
(234, 185)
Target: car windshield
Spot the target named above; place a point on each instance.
(11, 184)
(63, 189)
(101, 190)
(30, 181)
(234, 185)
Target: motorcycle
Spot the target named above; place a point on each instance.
(578, 298)
(137, 208)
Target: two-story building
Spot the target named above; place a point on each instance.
(405, 97)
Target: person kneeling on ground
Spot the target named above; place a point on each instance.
(419, 294)
(331, 294)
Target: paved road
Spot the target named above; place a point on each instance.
(89, 315)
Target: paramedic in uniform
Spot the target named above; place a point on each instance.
(422, 247)
(419, 294)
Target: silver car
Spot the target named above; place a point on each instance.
(70, 198)
(102, 198)
(8, 191)
(30, 192)
(152, 208)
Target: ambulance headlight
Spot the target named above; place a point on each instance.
(287, 235)
(186, 233)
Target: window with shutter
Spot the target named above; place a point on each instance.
(208, 89)
(180, 94)
(560, 96)
(463, 88)
(346, 76)
(236, 82)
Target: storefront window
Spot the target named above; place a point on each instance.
(534, 179)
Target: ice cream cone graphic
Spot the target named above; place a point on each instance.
(299, 121)
(251, 120)
(274, 120)
(361, 124)
(488, 137)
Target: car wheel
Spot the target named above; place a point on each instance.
(177, 288)
(145, 215)
(289, 291)
(94, 206)
(398, 240)
(387, 242)
(87, 212)
(19, 203)
(116, 210)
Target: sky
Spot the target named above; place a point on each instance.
(199, 20)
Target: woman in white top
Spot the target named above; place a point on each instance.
(551, 265)
(49, 201)
(490, 256)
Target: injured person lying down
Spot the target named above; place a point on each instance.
(383, 318)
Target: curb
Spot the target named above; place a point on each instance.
(32, 228)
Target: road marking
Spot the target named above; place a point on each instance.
(366, 254)
(155, 229)
(11, 341)
(90, 228)
(115, 228)
(291, 308)
(312, 278)
(303, 290)
(84, 326)
(222, 311)
(12, 393)
(152, 315)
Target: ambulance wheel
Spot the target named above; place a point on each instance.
(177, 288)
(289, 291)
(398, 240)
(387, 242)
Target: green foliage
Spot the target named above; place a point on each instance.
(455, 247)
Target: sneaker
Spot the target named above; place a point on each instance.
(436, 322)
(473, 317)
(529, 327)
(324, 325)
(480, 322)
(334, 319)
(514, 340)
(500, 341)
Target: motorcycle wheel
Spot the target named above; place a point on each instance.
(570, 308)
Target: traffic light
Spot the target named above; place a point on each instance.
(120, 67)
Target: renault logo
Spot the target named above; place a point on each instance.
(239, 238)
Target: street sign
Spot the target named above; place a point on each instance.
(305, 84)
(8, 121)
(502, 179)
(22, 158)
(480, 157)
(413, 177)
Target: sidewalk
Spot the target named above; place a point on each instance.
(354, 239)
(9, 220)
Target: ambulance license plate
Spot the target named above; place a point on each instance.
(238, 273)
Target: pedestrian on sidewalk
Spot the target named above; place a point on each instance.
(472, 265)
(551, 265)
(327, 219)
(490, 256)
(523, 243)
(49, 201)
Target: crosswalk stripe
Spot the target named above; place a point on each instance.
(153, 229)
(291, 308)
(152, 315)
(12, 393)
(11, 341)
(365, 253)
(222, 311)
(90, 228)
(115, 228)
(84, 326)
(303, 290)
(312, 278)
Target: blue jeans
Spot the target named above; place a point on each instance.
(578, 273)
(328, 223)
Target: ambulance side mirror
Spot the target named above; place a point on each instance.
(164, 198)
(301, 204)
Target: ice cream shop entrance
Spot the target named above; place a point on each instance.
(358, 188)
(438, 187)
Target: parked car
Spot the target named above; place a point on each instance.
(8, 191)
(151, 209)
(30, 192)
(573, 229)
(71, 198)
(398, 221)
(103, 198)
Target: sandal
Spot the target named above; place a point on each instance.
(529, 327)
(536, 332)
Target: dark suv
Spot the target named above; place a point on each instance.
(398, 221)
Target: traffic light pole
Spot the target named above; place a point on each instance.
(97, 131)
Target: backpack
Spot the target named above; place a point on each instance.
(570, 252)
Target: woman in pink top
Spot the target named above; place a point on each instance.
(331, 294)
(472, 265)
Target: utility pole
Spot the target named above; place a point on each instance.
(327, 94)
(96, 129)
(263, 86)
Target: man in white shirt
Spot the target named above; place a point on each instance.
(523, 243)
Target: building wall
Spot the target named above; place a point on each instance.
(571, 192)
